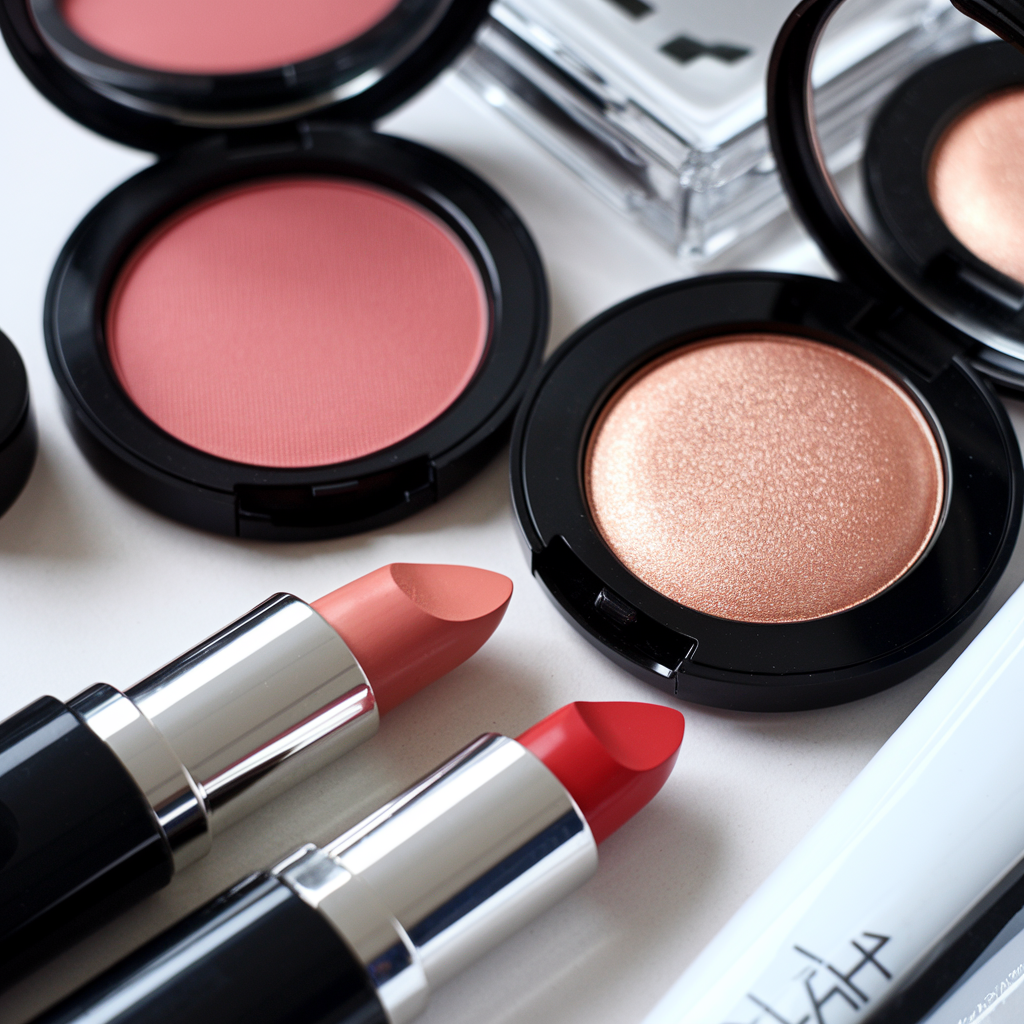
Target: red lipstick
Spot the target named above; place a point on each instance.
(611, 757)
(365, 927)
(106, 796)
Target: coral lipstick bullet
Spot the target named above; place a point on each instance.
(360, 931)
(105, 797)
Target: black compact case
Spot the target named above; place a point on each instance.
(788, 665)
(18, 438)
(212, 132)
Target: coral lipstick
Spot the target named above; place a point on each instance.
(435, 615)
(103, 798)
(363, 928)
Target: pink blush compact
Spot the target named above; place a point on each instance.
(289, 326)
(297, 322)
(220, 37)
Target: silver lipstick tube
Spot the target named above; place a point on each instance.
(250, 712)
(449, 869)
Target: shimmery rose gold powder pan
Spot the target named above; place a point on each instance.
(738, 491)
(289, 326)
(944, 175)
(769, 492)
(764, 478)
(976, 180)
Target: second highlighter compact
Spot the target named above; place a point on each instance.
(290, 326)
(770, 492)
(945, 190)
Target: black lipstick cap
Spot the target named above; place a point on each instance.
(18, 440)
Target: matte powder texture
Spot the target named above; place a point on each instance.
(297, 322)
(976, 181)
(220, 37)
(764, 478)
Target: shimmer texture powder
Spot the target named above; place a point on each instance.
(220, 37)
(764, 478)
(976, 180)
(297, 322)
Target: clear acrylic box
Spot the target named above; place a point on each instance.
(658, 105)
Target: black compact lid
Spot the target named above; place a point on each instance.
(162, 111)
(753, 666)
(792, 126)
(17, 427)
(946, 287)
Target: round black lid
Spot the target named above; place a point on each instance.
(17, 428)
(163, 111)
(850, 209)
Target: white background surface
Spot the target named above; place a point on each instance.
(96, 588)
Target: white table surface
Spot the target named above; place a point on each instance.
(96, 588)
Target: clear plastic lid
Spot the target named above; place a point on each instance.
(659, 105)
(700, 68)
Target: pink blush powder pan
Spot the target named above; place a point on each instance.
(220, 37)
(297, 322)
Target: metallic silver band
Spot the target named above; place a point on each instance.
(244, 716)
(366, 924)
(448, 870)
(171, 792)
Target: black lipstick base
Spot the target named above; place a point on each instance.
(255, 955)
(78, 842)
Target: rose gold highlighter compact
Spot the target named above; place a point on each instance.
(764, 491)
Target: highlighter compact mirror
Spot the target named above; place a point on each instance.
(933, 191)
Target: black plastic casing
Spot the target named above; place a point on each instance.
(255, 955)
(78, 842)
(1004, 17)
(18, 436)
(938, 279)
(333, 140)
(767, 666)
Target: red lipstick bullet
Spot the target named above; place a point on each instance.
(360, 931)
(611, 757)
